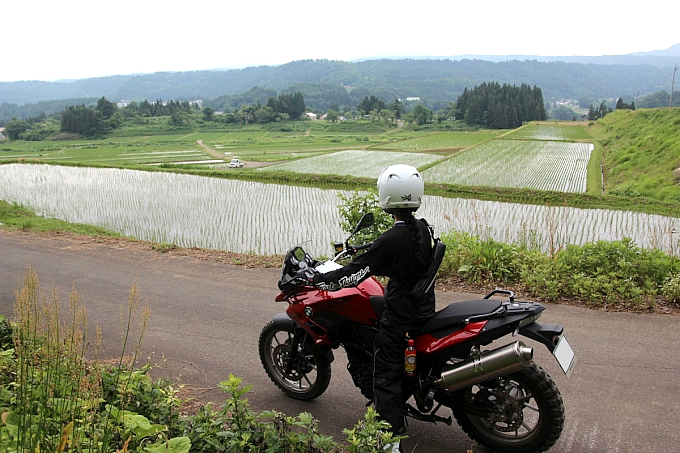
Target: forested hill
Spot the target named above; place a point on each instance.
(435, 82)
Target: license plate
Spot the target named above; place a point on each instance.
(565, 355)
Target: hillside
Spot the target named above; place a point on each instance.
(642, 152)
(436, 82)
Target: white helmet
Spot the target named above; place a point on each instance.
(400, 186)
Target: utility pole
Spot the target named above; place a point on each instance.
(672, 85)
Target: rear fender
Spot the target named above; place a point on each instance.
(548, 334)
(283, 321)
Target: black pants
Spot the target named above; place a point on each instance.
(388, 375)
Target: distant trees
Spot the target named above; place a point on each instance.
(563, 113)
(157, 108)
(620, 105)
(371, 104)
(422, 114)
(597, 113)
(16, 128)
(82, 120)
(90, 121)
(659, 99)
(290, 104)
(494, 106)
(398, 108)
(332, 116)
(106, 108)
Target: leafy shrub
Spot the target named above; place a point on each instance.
(597, 273)
(236, 428)
(485, 260)
(605, 272)
(671, 288)
(353, 207)
(134, 390)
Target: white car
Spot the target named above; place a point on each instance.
(235, 163)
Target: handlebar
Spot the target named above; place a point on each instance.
(352, 250)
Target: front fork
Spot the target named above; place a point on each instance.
(299, 337)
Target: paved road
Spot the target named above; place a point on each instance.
(624, 395)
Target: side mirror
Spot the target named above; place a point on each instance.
(365, 222)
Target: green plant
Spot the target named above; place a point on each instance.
(53, 396)
(485, 260)
(370, 435)
(671, 288)
(354, 206)
(6, 333)
(236, 428)
(54, 393)
(163, 247)
(133, 390)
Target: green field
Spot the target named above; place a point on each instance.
(151, 144)
(367, 164)
(551, 131)
(525, 164)
(438, 141)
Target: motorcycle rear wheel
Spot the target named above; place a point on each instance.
(525, 412)
(308, 378)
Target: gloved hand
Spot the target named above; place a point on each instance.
(306, 276)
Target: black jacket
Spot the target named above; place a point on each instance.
(391, 255)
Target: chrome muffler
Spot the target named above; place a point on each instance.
(486, 366)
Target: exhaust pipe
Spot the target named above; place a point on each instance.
(499, 362)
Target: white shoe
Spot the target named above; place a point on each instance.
(393, 447)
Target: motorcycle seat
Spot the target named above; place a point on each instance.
(458, 312)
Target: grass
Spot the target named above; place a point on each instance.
(569, 131)
(438, 141)
(641, 153)
(14, 217)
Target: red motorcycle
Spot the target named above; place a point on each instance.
(499, 397)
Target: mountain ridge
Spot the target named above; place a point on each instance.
(437, 82)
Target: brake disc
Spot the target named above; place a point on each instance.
(281, 355)
(508, 410)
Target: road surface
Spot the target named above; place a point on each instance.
(624, 395)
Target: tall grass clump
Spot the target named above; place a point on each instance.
(55, 391)
(57, 396)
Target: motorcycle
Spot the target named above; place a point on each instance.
(499, 397)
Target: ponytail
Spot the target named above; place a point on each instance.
(416, 238)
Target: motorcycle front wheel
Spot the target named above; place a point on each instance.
(524, 412)
(307, 377)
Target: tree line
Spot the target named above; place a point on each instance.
(496, 106)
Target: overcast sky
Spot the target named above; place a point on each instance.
(76, 39)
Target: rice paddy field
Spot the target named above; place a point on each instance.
(438, 141)
(368, 164)
(250, 217)
(147, 150)
(542, 165)
(550, 131)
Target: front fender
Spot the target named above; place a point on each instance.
(283, 321)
